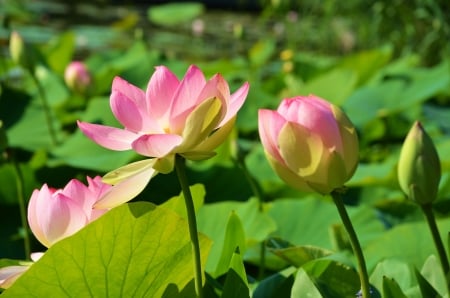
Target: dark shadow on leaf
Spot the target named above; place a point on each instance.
(140, 208)
(234, 286)
(172, 291)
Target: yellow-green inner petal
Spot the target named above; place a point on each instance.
(301, 150)
(200, 123)
(117, 175)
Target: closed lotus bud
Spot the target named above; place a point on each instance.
(310, 143)
(77, 77)
(17, 49)
(419, 168)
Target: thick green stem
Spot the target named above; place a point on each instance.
(429, 215)
(362, 269)
(47, 112)
(181, 173)
(22, 208)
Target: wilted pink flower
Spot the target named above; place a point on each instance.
(54, 214)
(310, 143)
(77, 76)
(190, 117)
(9, 274)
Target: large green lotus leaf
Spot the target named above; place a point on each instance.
(380, 173)
(260, 169)
(391, 289)
(135, 250)
(31, 131)
(212, 221)
(9, 181)
(434, 277)
(329, 278)
(299, 255)
(58, 52)
(425, 287)
(308, 221)
(396, 93)
(234, 240)
(80, 151)
(367, 63)
(304, 286)
(408, 242)
(261, 52)
(334, 85)
(236, 284)
(178, 205)
(400, 271)
(174, 13)
(277, 285)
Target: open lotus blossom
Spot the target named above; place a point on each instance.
(310, 143)
(9, 274)
(54, 214)
(191, 117)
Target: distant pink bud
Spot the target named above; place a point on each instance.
(310, 143)
(77, 76)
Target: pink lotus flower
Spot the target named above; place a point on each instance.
(54, 214)
(191, 117)
(310, 143)
(77, 76)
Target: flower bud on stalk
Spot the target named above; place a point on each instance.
(18, 51)
(77, 77)
(419, 169)
(310, 143)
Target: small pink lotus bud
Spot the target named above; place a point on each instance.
(310, 143)
(77, 77)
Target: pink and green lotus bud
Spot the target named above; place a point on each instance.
(310, 143)
(54, 214)
(18, 51)
(190, 117)
(419, 168)
(77, 77)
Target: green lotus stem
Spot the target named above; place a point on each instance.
(362, 269)
(48, 116)
(431, 220)
(22, 208)
(181, 173)
(256, 189)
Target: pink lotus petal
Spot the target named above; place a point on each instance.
(130, 91)
(9, 274)
(186, 96)
(127, 189)
(131, 116)
(269, 125)
(160, 91)
(236, 101)
(216, 87)
(157, 145)
(33, 212)
(108, 137)
(61, 218)
(35, 256)
(314, 114)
